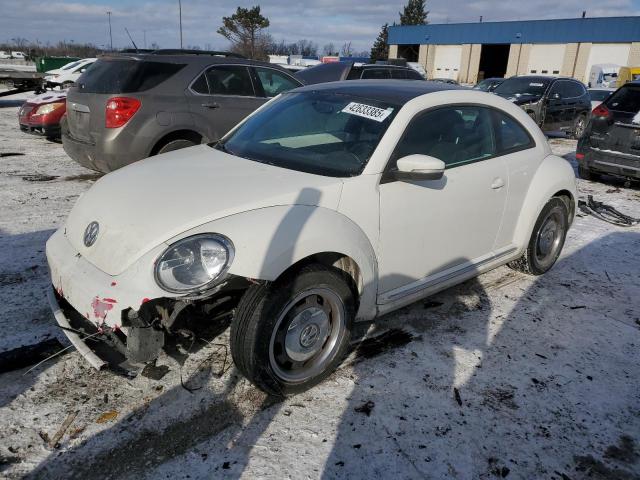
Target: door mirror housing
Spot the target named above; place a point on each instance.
(419, 167)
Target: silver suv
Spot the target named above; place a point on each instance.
(129, 107)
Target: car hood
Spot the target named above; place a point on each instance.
(521, 99)
(150, 202)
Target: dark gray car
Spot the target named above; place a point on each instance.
(336, 71)
(129, 107)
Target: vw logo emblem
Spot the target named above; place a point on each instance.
(91, 234)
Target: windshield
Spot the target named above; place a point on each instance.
(515, 87)
(484, 85)
(321, 133)
(71, 65)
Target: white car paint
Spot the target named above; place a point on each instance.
(408, 239)
(69, 73)
(595, 103)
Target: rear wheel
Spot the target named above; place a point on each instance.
(547, 239)
(587, 174)
(579, 125)
(291, 334)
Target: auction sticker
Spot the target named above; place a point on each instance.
(367, 111)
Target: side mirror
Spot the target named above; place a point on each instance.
(556, 96)
(419, 167)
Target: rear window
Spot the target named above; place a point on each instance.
(626, 99)
(126, 76)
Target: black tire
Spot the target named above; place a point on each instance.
(539, 257)
(586, 174)
(267, 310)
(579, 126)
(176, 145)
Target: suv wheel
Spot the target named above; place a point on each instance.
(579, 125)
(176, 145)
(547, 239)
(586, 174)
(289, 335)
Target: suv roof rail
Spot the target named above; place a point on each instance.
(180, 51)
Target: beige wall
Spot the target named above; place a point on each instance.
(470, 63)
(393, 51)
(634, 55)
(518, 59)
(426, 58)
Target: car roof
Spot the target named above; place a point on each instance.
(202, 60)
(390, 91)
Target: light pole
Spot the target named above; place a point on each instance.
(110, 35)
(180, 14)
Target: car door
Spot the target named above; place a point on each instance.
(560, 107)
(432, 229)
(221, 97)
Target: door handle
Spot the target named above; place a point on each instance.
(211, 105)
(497, 183)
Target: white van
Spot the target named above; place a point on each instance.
(603, 75)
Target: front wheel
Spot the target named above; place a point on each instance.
(547, 239)
(291, 334)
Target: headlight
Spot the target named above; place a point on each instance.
(194, 263)
(48, 108)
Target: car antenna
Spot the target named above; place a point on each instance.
(134, 43)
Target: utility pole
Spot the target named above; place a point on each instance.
(144, 33)
(180, 13)
(110, 35)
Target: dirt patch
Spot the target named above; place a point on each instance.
(389, 340)
(625, 451)
(596, 469)
(500, 398)
(92, 177)
(38, 177)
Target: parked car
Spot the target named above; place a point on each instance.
(129, 107)
(449, 81)
(603, 75)
(42, 114)
(626, 75)
(18, 55)
(611, 142)
(599, 95)
(336, 71)
(335, 203)
(4, 55)
(68, 75)
(554, 103)
(488, 84)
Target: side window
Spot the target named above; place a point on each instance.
(413, 75)
(230, 80)
(200, 85)
(575, 89)
(510, 135)
(274, 82)
(399, 73)
(455, 135)
(375, 73)
(354, 73)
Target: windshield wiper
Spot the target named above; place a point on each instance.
(223, 148)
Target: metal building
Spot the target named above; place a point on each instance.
(469, 52)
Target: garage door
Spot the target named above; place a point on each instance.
(606, 53)
(447, 61)
(546, 59)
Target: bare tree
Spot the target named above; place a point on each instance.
(329, 49)
(346, 50)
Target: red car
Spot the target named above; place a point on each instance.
(42, 114)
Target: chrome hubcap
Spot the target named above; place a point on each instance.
(307, 335)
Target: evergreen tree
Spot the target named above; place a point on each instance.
(244, 30)
(380, 49)
(414, 13)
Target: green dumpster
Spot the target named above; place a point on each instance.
(44, 64)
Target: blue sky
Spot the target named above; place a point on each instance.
(322, 21)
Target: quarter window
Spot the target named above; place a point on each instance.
(200, 85)
(274, 82)
(230, 80)
(510, 135)
(455, 135)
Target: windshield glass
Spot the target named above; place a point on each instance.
(321, 133)
(484, 85)
(516, 87)
(71, 65)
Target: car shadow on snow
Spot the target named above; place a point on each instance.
(466, 395)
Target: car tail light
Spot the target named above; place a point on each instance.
(579, 156)
(119, 111)
(601, 111)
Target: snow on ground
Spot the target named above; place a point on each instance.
(503, 376)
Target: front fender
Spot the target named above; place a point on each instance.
(553, 175)
(268, 241)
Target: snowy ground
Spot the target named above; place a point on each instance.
(546, 370)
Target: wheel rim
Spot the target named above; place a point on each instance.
(579, 127)
(549, 237)
(307, 335)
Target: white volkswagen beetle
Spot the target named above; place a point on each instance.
(331, 204)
